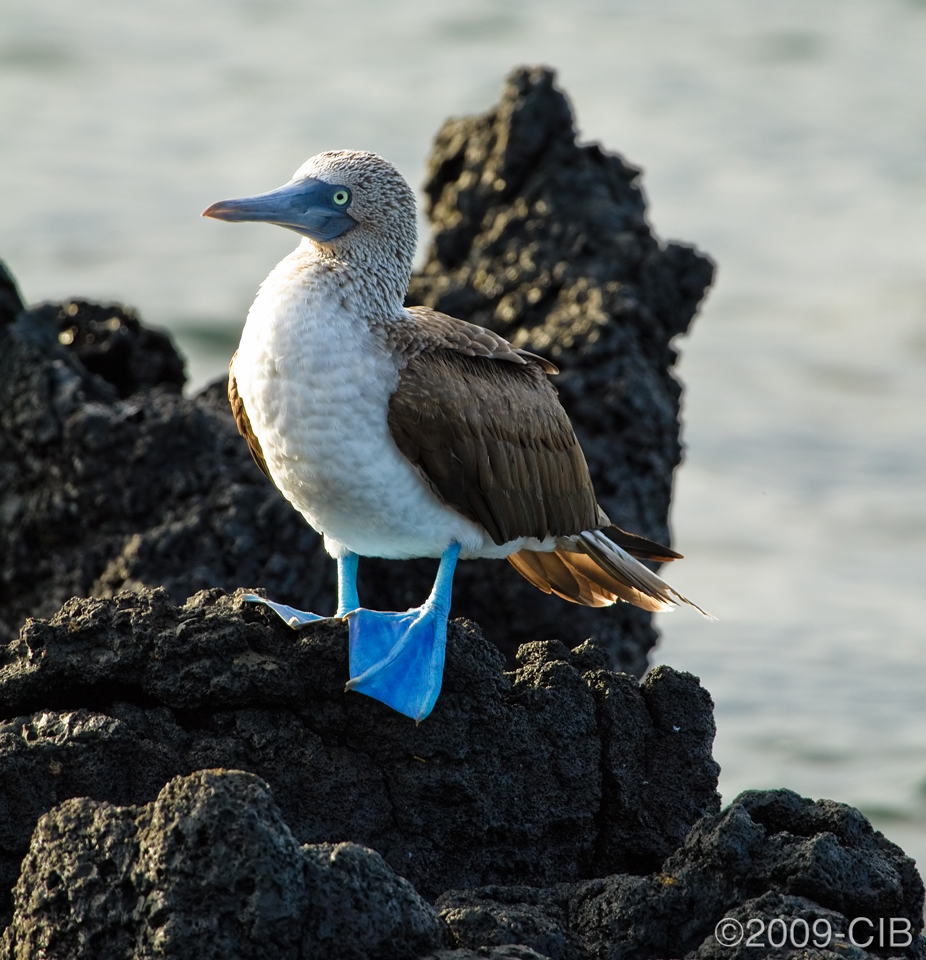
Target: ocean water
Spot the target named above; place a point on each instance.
(786, 138)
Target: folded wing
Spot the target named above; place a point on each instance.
(487, 431)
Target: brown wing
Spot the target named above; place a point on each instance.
(431, 329)
(494, 442)
(244, 424)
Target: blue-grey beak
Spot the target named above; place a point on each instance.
(306, 206)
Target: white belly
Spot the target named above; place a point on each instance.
(316, 383)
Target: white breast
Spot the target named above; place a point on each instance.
(316, 382)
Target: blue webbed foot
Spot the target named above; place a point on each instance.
(289, 615)
(398, 658)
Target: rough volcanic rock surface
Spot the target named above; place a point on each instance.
(11, 302)
(560, 770)
(207, 871)
(559, 810)
(211, 869)
(111, 480)
(771, 854)
(100, 493)
(109, 340)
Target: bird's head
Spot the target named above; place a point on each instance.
(353, 204)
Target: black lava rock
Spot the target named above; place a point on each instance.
(100, 494)
(208, 870)
(576, 806)
(110, 341)
(557, 771)
(111, 480)
(11, 303)
(770, 856)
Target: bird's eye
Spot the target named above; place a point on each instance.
(341, 197)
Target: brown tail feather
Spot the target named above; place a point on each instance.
(555, 573)
(593, 569)
(619, 588)
(640, 547)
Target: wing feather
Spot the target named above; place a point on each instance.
(482, 422)
(244, 424)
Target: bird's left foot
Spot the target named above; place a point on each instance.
(398, 658)
(289, 615)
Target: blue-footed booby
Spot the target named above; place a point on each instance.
(403, 432)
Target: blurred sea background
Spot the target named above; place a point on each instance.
(787, 138)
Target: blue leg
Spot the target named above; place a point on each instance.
(347, 584)
(347, 596)
(398, 658)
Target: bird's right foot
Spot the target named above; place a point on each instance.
(289, 615)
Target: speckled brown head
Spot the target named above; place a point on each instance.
(352, 205)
